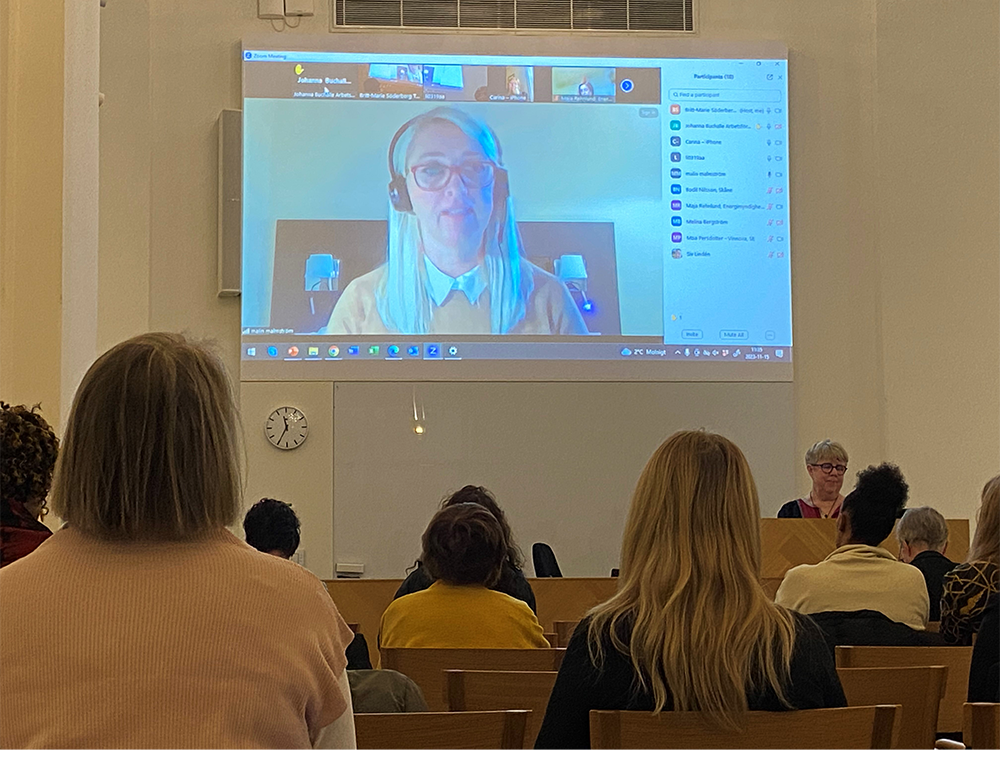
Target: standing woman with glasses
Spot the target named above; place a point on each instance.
(455, 262)
(826, 463)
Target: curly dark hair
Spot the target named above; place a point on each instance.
(478, 495)
(464, 545)
(272, 525)
(877, 501)
(28, 451)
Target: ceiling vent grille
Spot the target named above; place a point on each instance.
(537, 15)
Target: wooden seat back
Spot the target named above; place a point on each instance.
(441, 730)
(426, 666)
(837, 728)
(956, 659)
(502, 690)
(564, 630)
(982, 725)
(918, 690)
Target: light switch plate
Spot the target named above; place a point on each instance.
(300, 7)
(270, 9)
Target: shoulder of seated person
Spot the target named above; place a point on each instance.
(799, 570)
(968, 569)
(262, 563)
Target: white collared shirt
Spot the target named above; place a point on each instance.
(440, 284)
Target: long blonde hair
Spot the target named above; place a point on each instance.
(401, 294)
(986, 542)
(152, 448)
(703, 633)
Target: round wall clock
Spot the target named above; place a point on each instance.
(286, 428)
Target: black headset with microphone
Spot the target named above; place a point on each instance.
(399, 195)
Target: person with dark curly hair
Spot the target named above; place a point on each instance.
(511, 581)
(859, 574)
(272, 526)
(27, 460)
(464, 549)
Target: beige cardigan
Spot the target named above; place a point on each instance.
(204, 644)
(858, 577)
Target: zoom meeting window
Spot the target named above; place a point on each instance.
(596, 214)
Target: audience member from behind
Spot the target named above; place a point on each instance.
(511, 581)
(970, 587)
(984, 669)
(922, 534)
(272, 526)
(464, 549)
(826, 464)
(859, 574)
(163, 630)
(27, 459)
(690, 627)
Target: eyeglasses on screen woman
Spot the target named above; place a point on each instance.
(433, 176)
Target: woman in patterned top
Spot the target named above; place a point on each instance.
(970, 586)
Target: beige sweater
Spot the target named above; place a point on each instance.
(858, 577)
(550, 310)
(195, 645)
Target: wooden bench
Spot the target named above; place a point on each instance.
(918, 690)
(502, 690)
(836, 728)
(564, 630)
(441, 730)
(956, 659)
(982, 725)
(426, 666)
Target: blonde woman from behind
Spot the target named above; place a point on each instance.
(144, 623)
(690, 627)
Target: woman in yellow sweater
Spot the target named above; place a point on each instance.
(463, 551)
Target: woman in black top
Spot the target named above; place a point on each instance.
(512, 580)
(690, 627)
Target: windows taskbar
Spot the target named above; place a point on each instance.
(367, 350)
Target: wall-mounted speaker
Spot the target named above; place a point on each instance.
(230, 233)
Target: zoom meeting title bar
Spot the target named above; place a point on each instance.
(291, 79)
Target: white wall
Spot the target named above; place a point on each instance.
(938, 144)
(873, 84)
(562, 459)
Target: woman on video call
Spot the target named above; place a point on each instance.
(455, 261)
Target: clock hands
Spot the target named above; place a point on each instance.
(293, 431)
(285, 419)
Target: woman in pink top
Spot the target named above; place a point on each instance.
(144, 623)
(826, 463)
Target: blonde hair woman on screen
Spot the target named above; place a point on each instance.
(455, 261)
(161, 629)
(690, 627)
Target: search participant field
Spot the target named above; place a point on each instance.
(727, 95)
